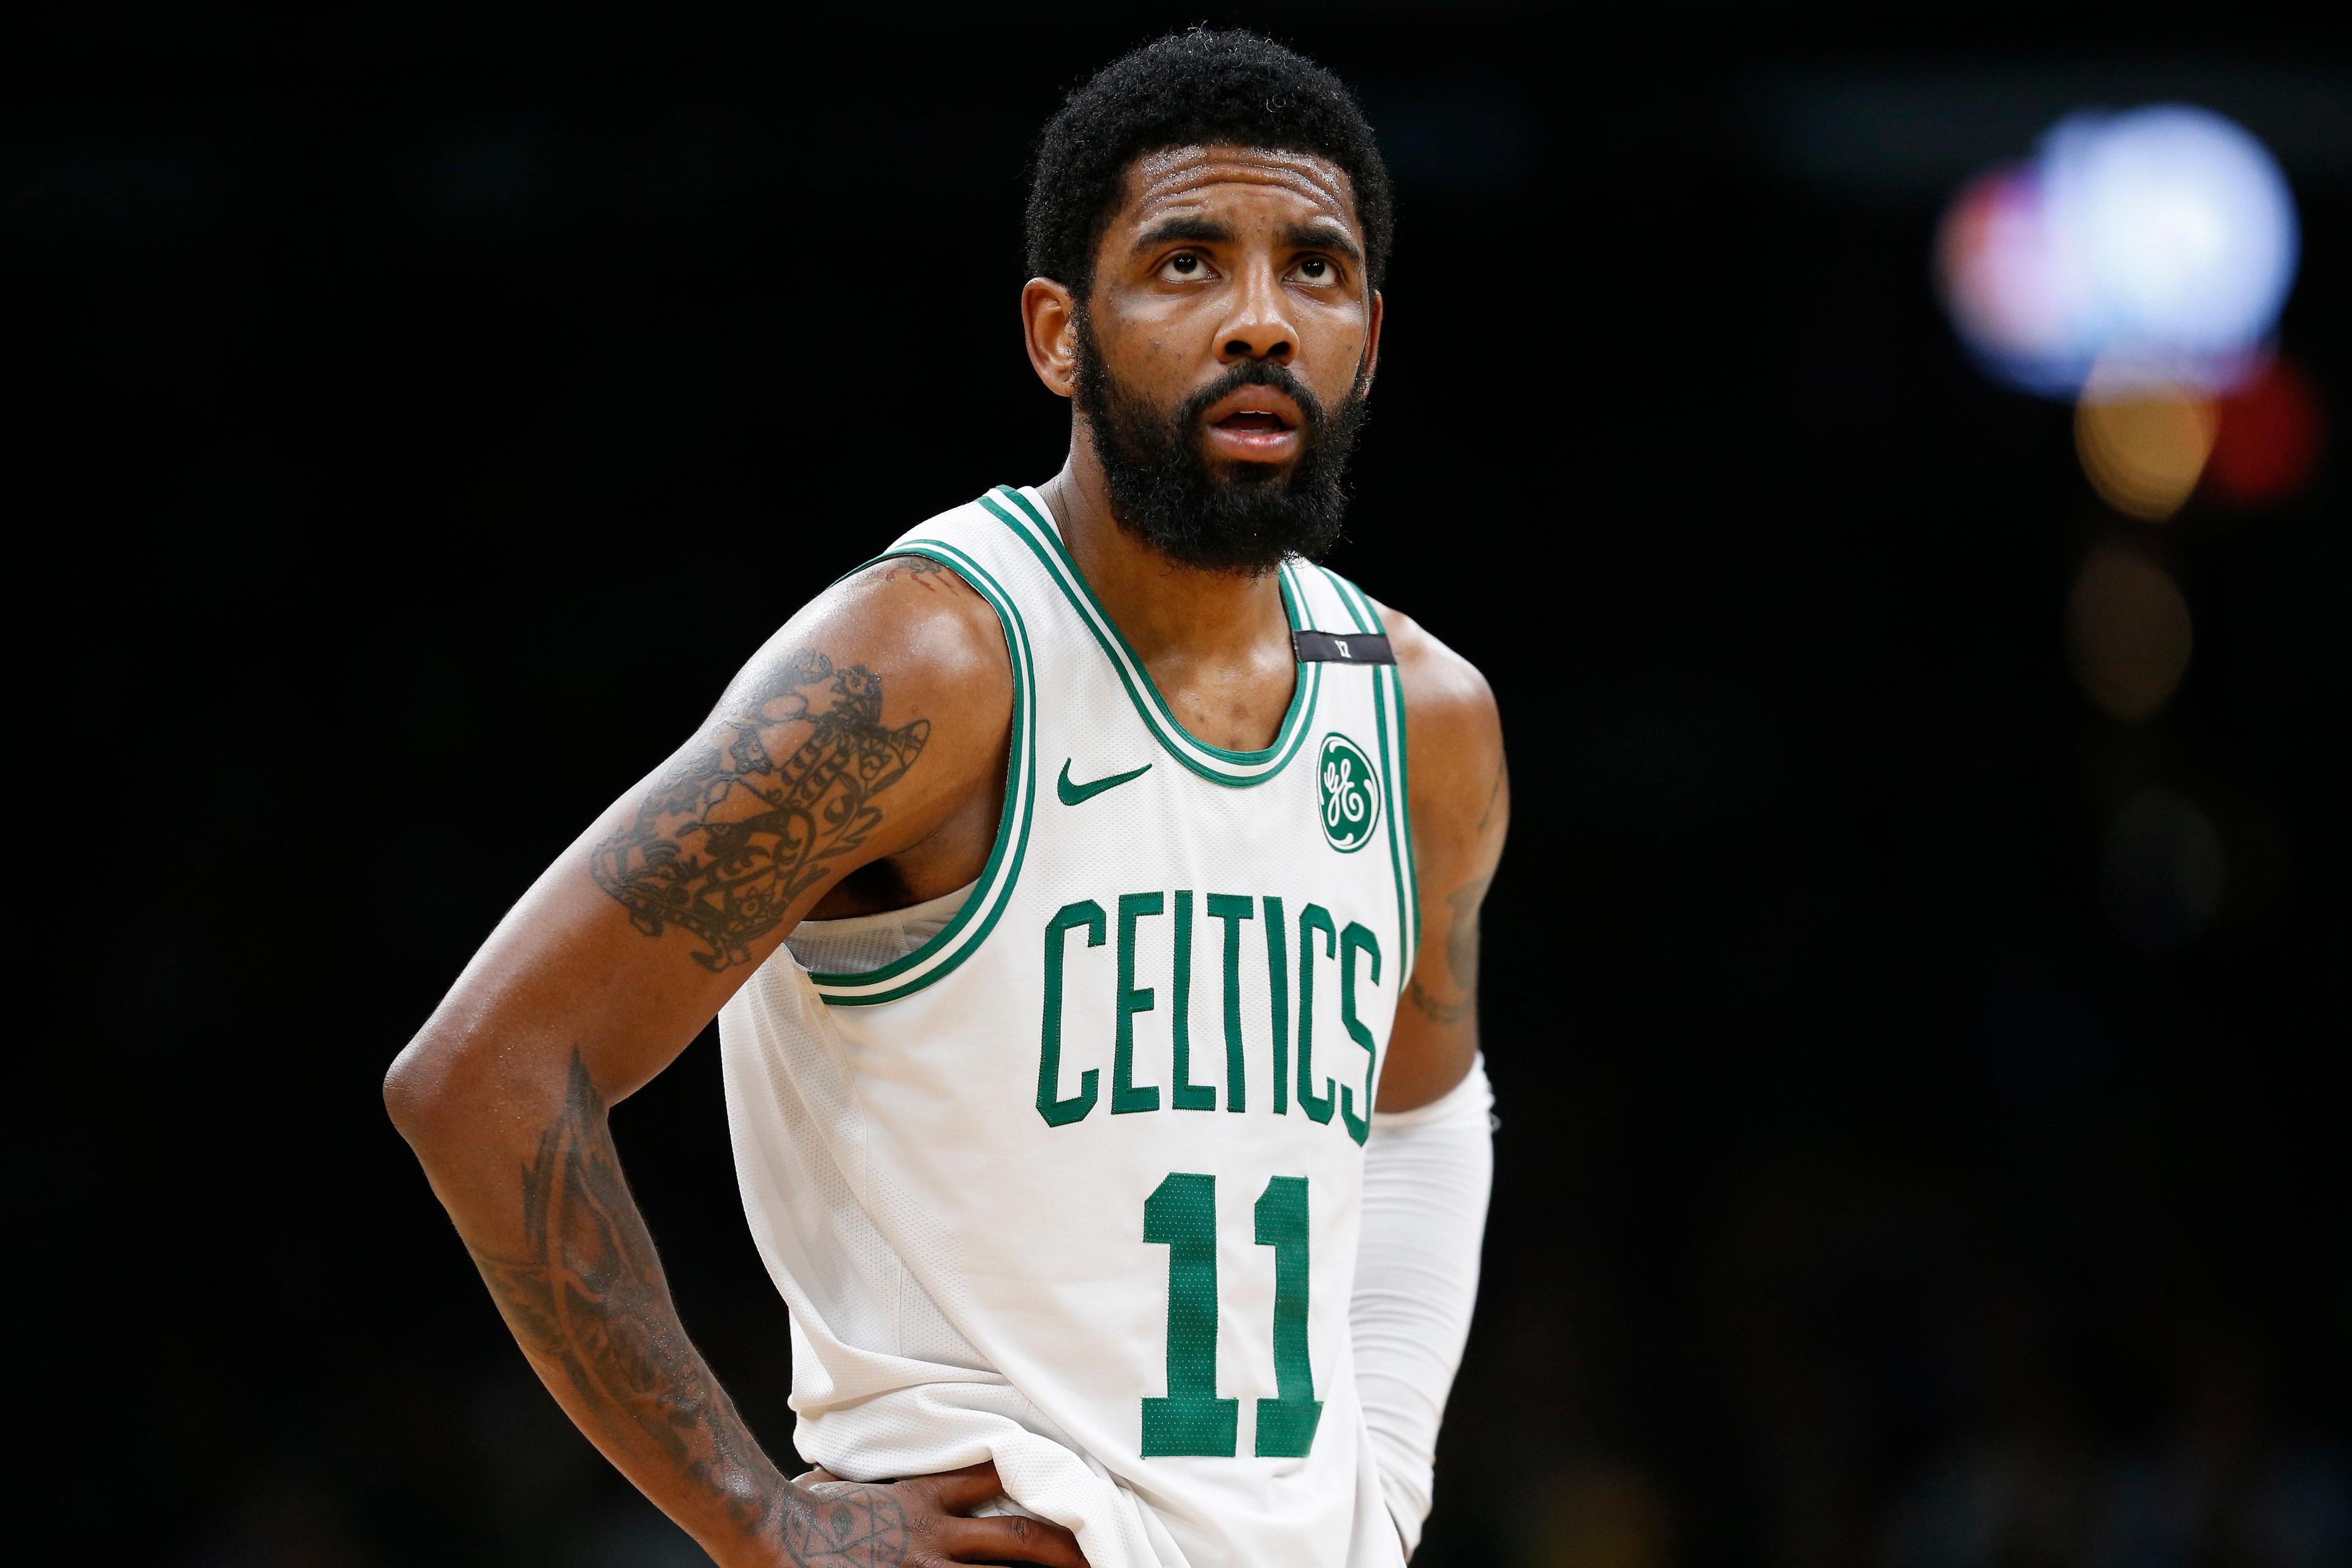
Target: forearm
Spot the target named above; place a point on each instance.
(567, 1256)
(1427, 1174)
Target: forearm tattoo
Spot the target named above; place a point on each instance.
(586, 1295)
(743, 824)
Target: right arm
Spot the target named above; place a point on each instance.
(861, 733)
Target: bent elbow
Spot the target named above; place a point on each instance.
(400, 1096)
(416, 1095)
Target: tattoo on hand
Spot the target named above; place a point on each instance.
(844, 1525)
(588, 1297)
(733, 833)
(1461, 957)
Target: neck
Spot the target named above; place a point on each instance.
(1166, 609)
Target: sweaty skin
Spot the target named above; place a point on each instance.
(629, 943)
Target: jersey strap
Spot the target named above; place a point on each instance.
(1388, 708)
(962, 935)
(1238, 770)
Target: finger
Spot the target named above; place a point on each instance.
(1010, 1538)
(961, 1491)
(814, 1478)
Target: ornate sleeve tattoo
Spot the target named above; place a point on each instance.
(586, 1296)
(741, 825)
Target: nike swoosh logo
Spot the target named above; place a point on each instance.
(1072, 794)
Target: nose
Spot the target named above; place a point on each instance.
(1259, 326)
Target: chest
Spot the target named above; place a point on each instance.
(1182, 939)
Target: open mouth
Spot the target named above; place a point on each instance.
(1254, 425)
(1264, 420)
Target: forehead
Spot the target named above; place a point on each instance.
(1181, 181)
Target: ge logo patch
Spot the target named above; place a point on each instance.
(1347, 792)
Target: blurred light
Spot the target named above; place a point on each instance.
(1995, 260)
(2161, 870)
(2142, 444)
(2268, 440)
(2162, 238)
(2127, 633)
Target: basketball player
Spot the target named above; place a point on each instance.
(1087, 892)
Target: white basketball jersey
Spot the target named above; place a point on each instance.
(1074, 1184)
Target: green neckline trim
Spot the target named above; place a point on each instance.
(1212, 762)
(981, 910)
(1394, 778)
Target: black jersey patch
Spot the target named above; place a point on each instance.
(1333, 648)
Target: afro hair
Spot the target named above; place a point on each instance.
(1201, 87)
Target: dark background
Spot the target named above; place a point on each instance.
(432, 406)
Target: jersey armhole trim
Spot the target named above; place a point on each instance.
(1388, 684)
(962, 935)
(1235, 770)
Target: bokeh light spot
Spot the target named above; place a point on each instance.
(2143, 445)
(2166, 233)
(2127, 633)
(2268, 439)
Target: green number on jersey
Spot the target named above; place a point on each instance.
(1182, 1215)
(1285, 1425)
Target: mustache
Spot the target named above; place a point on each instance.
(1165, 493)
(1253, 372)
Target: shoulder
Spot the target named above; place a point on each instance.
(926, 620)
(900, 661)
(912, 624)
(1453, 743)
(1448, 704)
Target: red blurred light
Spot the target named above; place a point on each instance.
(2268, 439)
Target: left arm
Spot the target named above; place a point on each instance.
(1430, 1161)
(1461, 807)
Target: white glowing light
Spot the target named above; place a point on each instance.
(2162, 238)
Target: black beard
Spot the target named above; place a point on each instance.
(1164, 492)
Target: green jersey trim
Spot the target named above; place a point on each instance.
(1389, 681)
(1237, 770)
(962, 936)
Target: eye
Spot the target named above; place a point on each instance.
(1316, 270)
(1184, 267)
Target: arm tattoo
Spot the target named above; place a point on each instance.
(1461, 957)
(733, 833)
(587, 1296)
(1493, 794)
(1436, 1010)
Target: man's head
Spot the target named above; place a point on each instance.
(1208, 223)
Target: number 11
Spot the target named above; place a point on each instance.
(1182, 1215)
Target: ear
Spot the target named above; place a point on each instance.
(1049, 328)
(1372, 339)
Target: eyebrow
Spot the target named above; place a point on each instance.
(1321, 237)
(1328, 237)
(1200, 230)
